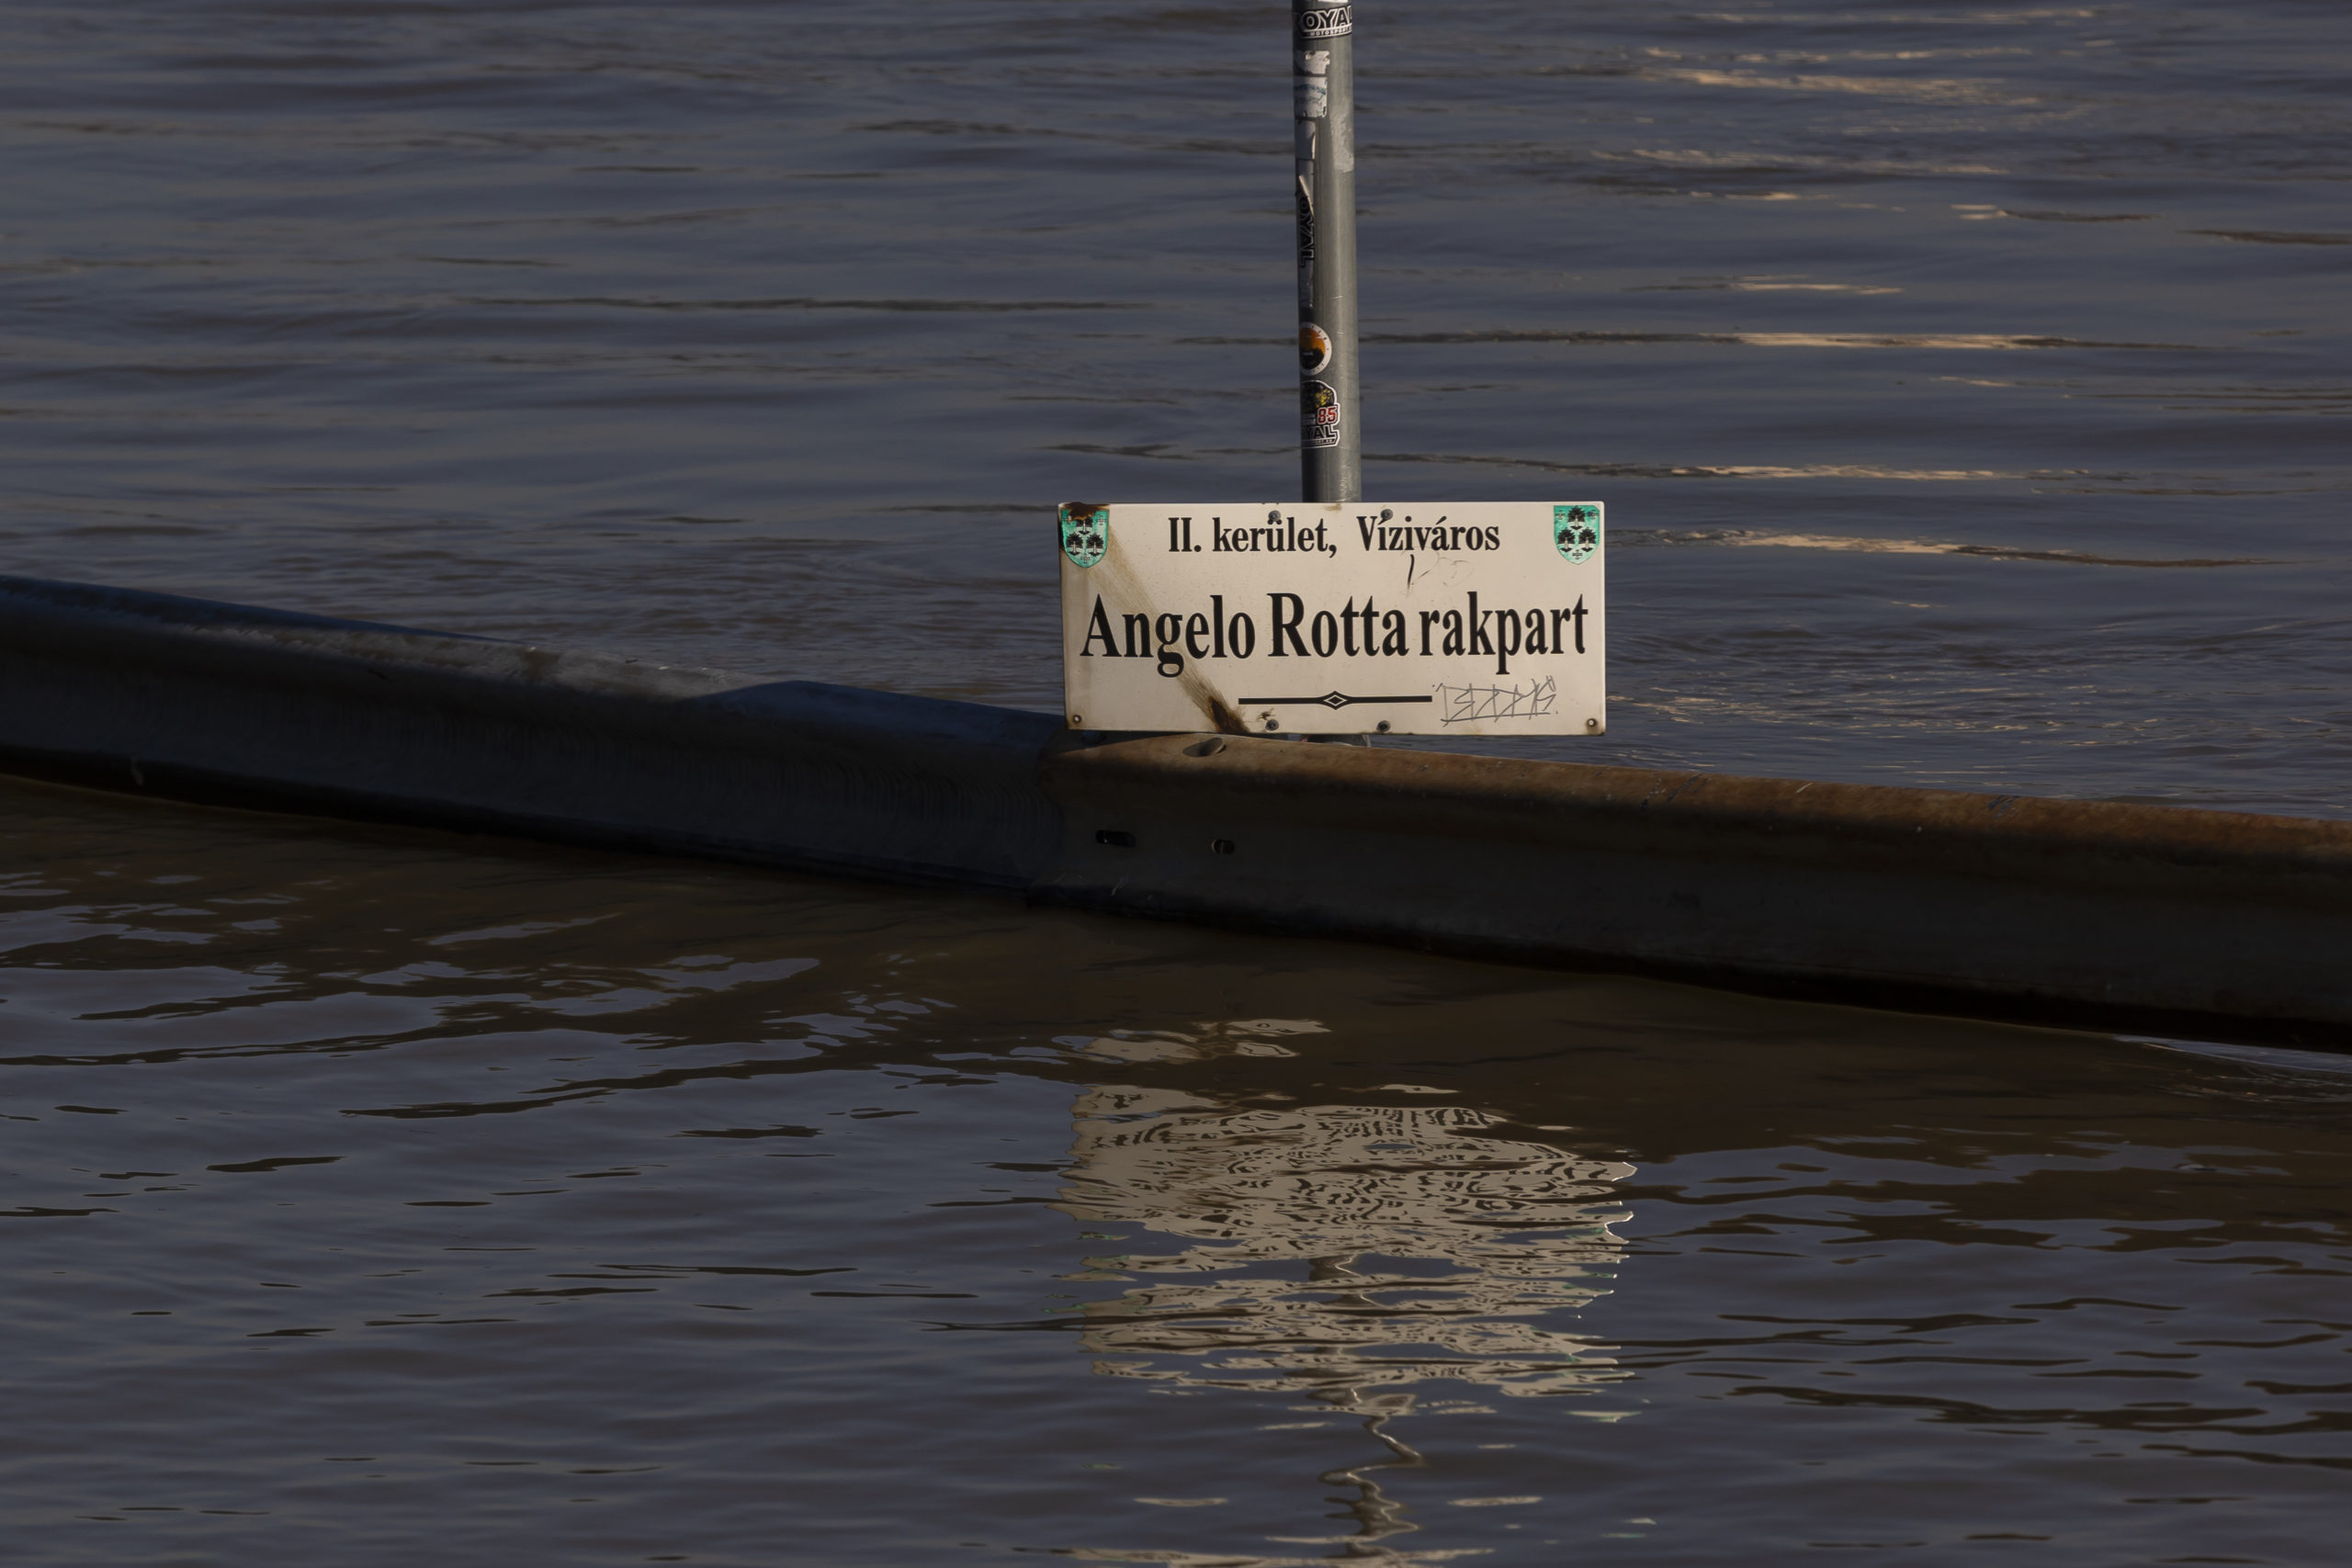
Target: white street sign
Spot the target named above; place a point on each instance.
(1421, 619)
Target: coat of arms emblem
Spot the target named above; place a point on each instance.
(1576, 529)
(1086, 533)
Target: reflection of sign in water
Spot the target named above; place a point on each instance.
(1431, 1249)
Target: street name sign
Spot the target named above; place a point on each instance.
(1335, 617)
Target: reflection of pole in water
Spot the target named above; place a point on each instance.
(1341, 1248)
(1378, 1515)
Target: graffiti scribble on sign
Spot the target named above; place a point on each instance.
(1465, 705)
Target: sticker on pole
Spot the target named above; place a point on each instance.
(1343, 617)
(1314, 349)
(1319, 412)
(1324, 20)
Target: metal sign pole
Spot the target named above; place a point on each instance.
(1323, 85)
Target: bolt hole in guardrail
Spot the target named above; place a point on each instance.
(1116, 838)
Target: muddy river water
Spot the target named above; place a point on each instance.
(1967, 384)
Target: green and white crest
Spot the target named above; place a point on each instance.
(1576, 529)
(1086, 533)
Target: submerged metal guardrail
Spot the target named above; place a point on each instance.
(2218, 924)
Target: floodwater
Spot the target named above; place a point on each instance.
(1968, 387)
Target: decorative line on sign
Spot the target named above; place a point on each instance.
(1328, 700)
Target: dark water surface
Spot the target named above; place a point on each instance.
(1969, 387)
